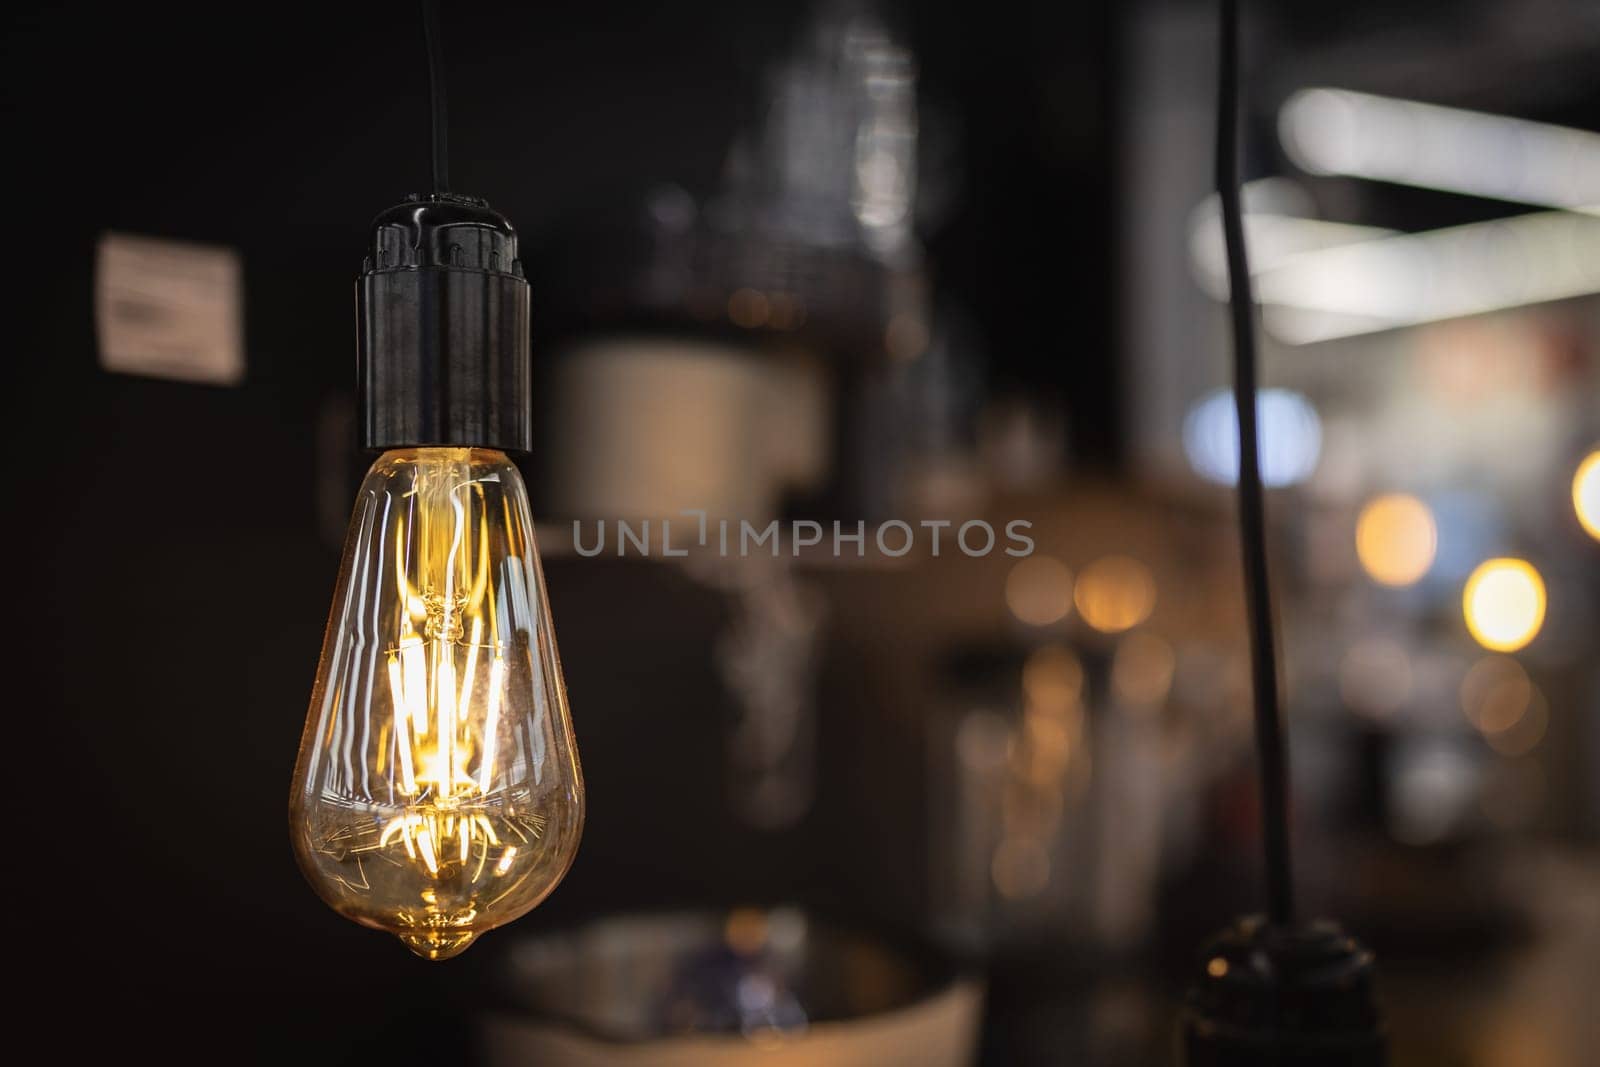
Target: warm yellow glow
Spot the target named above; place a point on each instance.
(1586, 493)
(1052, 677)
(1115, 594)
(435, 798)
(1052, 721)
(1039, 591)
(1396, 539)
(1504, 604)
(1042, 753)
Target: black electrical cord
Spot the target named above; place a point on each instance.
(436, 98)
(1272, 759)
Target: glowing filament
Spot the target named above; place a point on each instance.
(414, 673)
(413, 808)
(433, 703)
(402, 738)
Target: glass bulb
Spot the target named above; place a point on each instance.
(437, 792)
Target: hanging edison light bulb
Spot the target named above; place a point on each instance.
(437, 793)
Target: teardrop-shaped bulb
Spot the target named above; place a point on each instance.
(437, 792)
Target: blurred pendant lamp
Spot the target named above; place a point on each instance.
(1272, 990)
(437, 793)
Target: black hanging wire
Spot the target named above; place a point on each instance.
(436, 98)
(1272, 759)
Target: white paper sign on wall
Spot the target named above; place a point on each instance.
(169, 309)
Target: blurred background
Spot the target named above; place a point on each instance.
(833, 261)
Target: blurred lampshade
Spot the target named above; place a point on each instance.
(647, 427)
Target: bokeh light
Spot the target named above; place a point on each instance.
(1504, 604)
(1115, 593)
(1052, 678)
(1586, 493)
(1396, 539)
(1039, 591)
(1495, 694)
(1052, 721)
(1433, 785)
(1045, 751)
(1289, 430)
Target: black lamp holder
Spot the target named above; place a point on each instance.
(443, 313)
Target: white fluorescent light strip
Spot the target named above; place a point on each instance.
(1337, 131)
(1272, 240)
(1441, 274)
